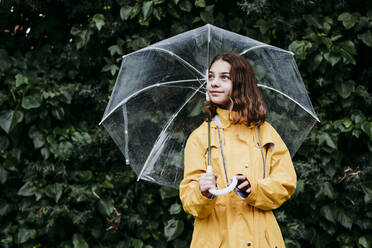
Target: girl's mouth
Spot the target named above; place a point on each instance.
(215, 92)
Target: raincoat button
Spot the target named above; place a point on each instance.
(246, 165)
(249, 243)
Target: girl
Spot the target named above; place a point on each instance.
(241, 144)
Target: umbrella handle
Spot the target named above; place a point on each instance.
(226, 190)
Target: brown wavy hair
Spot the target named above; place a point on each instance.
(247, 104)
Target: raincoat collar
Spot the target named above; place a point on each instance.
(224, 117)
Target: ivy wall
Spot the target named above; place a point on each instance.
(63, 182)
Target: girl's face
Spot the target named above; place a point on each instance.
(219, 85)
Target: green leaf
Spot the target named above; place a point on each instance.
(327, 42)
(200, 3)
(312, 21)
(366, 37)
(115, 49)
(336, 37)
(21, 80)
(3, 98)
(175, 208)
(326, 27)
(327, 212)
(62, 150)
(83, 36)
(173, 229)
(81, 138)
(25, 234)
(75, 31)
(348, 20)
(137, 243)
(45, 153)
(9, 119)
(54, 191)
(3, 175)
(344, 219)
(147, 9)
(316, 60)
(357, 118)
(58, 113)
(125, 12)
(325, 190)
(78, 241)
(349, 47)
(367, 189)
(82, 175)
(326, 138)
(65, 97)
(300, 48)
(364, 242)
(36, 136)
(99, 20)
(111, 68)
(8, 239)
(347, 125)
(328, 190)
(185, 5)
(367, 128)
(136, 9)
(27, 189)
(106, 206)
(332, 59)
(158, 13)
(31, 101)
(263, 25)
(4, 208)
(345, 88)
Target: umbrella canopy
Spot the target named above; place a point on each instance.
(160, 90)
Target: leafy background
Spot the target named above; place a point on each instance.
(63, 182)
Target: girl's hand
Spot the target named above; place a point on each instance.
(243, 185)
(207, 181)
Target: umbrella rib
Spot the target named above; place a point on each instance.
(209, 41)
(270, 88)
(190, 87)
(169, 52)
(162, 133)
(265, 45)
(144, 89)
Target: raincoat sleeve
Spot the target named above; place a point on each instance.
(193, 201)
(280, 182)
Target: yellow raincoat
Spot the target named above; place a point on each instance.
(228, 220)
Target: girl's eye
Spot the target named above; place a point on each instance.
(210, 76)
(225, 77)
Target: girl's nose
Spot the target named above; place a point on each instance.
(215, 82)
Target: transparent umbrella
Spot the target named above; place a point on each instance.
(160, 90)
